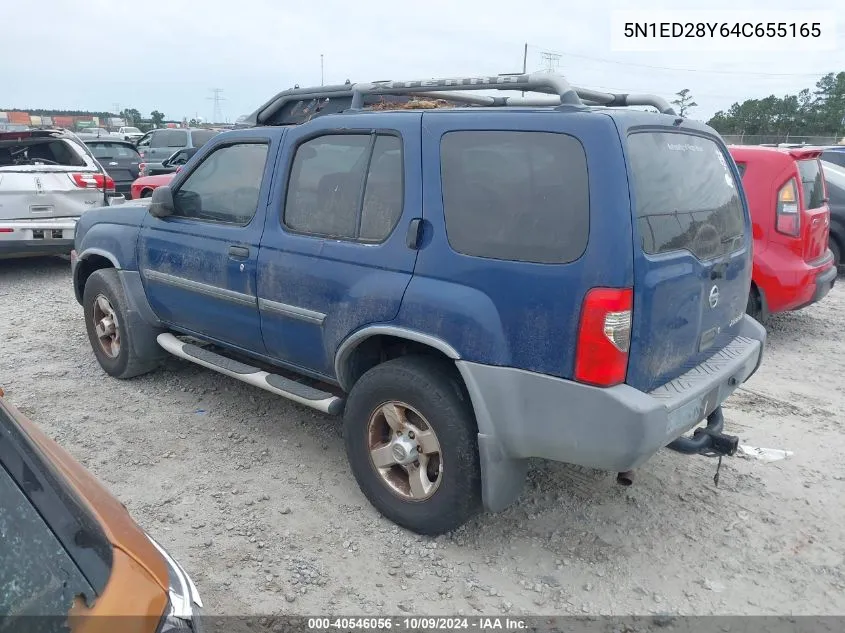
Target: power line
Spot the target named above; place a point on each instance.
(551, 60)
(218, 99)
(686, 70)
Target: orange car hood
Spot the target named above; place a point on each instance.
(114, 519)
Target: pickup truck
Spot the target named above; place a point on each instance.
(470, 287)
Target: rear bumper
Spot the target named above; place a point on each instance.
(790, 283)
(47, 236)
(521, 414)
(824, 284)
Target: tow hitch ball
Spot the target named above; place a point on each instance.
(709, 441)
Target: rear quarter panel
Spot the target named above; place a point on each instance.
(511, 313)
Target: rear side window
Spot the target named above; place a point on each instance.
(201, 137)
(741, 168)
(520, 196)
(170, 138)
(812, 182)
(346, 186)
(685, 193)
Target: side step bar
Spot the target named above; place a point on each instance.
(274, 383)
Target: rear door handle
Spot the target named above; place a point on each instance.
(238, 252)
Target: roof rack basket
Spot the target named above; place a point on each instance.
(556, 88)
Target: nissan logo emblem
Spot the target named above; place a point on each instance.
(713, 299)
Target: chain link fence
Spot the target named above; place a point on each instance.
(765, 139)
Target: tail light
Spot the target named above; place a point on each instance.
(93, 181)
(142, 170)
(604, 337)
(788, 220)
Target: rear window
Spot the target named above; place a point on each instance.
(45, 151)
(113, 150)
(201, 137)
(685, 194)
(521, 196)
(812, 182)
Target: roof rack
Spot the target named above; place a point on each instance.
(556, 87)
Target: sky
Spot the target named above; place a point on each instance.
(169, 54)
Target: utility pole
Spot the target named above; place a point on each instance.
(217, 97)
(322, 74)
(551, 60)
(116, 108)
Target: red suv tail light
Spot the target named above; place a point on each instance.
(788, 218)
(604, 337)
(92, 181)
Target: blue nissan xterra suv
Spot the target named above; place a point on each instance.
(555, 275)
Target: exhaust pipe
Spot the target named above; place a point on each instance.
(626, 478)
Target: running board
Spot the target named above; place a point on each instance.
(274, 383)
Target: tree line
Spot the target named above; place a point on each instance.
(818, 111)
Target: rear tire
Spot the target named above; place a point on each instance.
(432, 399)
(147, 193)
(105, 307)
(837, 252)
(754, 307)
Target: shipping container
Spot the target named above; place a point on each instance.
(4, 117)
(63, 121)
(19, 118)
(35, 120)
(47, 121)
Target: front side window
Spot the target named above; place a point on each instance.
(347, 186)
(225, 187)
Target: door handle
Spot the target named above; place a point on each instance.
(238, 252)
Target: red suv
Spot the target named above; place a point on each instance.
(787, 196)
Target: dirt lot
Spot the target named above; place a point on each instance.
(253, 493)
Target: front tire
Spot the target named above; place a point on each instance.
(105, 307)
(411, 441)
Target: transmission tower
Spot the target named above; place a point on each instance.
(218, 98)
(551, 61)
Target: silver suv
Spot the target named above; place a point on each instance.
(48, 178)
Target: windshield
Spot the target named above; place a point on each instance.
(131, 130)
(685, 193)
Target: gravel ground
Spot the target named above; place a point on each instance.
(253, 494)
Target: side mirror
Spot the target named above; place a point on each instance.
(161, 204)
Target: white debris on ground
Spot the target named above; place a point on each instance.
(763, 454)
(254, 496)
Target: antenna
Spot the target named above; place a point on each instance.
(551, 60)
(218, 98)
(322, 74)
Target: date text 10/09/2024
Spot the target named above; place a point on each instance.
(417, 623)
